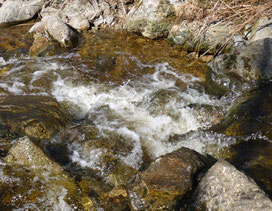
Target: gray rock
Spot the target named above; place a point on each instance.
(54, 28)
(150, 18)
(225, 188)
(165, 181)
(197, 37)
(242, 67)
(261, 30)
(78, 14)
(26, 153)
(14, 12)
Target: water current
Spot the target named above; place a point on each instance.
(148, 94)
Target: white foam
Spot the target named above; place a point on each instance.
(134, 159)
(15, 88)
(2, 61)
(61, 204)
(91, 159)
(130, 106)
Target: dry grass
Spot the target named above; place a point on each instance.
(229, 11)
(235, 13)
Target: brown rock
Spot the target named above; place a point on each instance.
(165, 181)
(39, 117)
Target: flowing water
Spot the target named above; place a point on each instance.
(142, 98)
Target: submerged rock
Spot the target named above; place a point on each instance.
(165, 182)
(104, 156)
(150, 18)
(30, 179)
(16, 11)
(225, 188)
(240, 69)
(39, 117)
(26, 153)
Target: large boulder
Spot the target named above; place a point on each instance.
(240, 69)
(165, 182)
(16, 11)
(225, 188)
(150, 18)
(54, 28)
(39, 117)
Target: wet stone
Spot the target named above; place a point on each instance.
(39, 117)
(165, 182)
(30, 179)
(242, 69)
(26, 153)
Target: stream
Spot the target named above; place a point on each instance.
(140, 99)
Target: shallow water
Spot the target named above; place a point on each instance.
(142, 99)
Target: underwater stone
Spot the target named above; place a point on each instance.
(26, 153)
(39, 117)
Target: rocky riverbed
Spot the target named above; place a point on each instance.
(101, 108)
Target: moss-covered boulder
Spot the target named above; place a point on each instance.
(165, 181)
